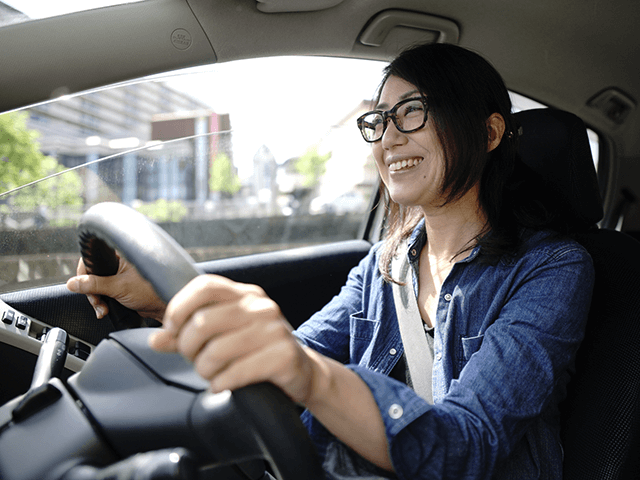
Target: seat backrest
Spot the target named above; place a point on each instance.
(601, 415)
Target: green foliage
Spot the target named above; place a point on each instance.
(21, 162)
(20, 156)
(223, 178)
(312, 166)
(163, 210)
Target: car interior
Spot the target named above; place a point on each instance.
(579, 59)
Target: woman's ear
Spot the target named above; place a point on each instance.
(495, 128)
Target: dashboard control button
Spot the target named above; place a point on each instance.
(22, 322)
(8, 316)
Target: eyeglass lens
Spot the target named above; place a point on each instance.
(408, 116)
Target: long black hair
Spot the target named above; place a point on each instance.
(463, 90)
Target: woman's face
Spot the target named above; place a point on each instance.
(410, 164)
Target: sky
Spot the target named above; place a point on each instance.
(50, 8)
(285, 103)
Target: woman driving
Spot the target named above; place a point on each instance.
(502, 293)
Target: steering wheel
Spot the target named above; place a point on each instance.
(268, 416)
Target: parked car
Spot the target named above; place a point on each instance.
(195, 114)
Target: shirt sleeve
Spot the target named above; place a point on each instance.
(505, 386)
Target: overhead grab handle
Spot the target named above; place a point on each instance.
(376, 32)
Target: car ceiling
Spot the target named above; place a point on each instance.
(559, 52)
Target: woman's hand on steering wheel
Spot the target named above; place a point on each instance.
(126, 286)
(236, 336)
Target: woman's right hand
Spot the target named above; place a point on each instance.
(126, 287)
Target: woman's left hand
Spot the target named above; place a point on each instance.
(235, 336)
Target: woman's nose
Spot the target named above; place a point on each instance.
(392, 136)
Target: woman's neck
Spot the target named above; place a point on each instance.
(452, 228)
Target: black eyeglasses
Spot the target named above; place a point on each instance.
(408, 116)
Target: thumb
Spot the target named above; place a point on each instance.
(91, 284)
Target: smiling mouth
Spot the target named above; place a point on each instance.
(405, 164)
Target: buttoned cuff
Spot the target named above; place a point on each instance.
(399, 405)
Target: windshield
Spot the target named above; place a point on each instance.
(226, 169)
(211, 214)
(18, 11)
(232, 159)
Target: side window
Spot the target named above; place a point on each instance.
(230, 159)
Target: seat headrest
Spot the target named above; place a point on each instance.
(555, 145)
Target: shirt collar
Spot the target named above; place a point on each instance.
(418, 239)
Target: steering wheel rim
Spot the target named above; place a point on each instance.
(168, 267)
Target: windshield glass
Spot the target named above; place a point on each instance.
(233, 159)
(18, 11)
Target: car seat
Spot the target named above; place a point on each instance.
(601, 415)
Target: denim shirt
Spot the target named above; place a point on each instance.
(506, 335)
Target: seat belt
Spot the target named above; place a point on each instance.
(416, 348)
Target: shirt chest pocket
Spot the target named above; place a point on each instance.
(471, 345)
(362, 332)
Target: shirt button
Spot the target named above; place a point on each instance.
(393, 351)
(438, 356)
(447, 297)
(414, 252)
(395, 411)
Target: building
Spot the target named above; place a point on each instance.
(124, 120)
(351, 166)
(350, 172)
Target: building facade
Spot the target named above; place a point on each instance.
(117, 132)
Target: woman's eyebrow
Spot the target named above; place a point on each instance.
(404, 96)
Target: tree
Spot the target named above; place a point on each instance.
(223, 178)
(311, 165)
(20, 156)
(22, 162)
(164, 210)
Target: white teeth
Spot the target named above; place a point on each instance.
(399, 165)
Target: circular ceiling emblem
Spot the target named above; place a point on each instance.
(181, 39)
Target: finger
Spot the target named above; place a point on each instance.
(99, 305)
(92, 284)
(78, 284)
(98, 302)
(202, 291)
(94, 287)
(220, 318)
(281, 364)
(221, 351)
(163, 341)
(81, 269)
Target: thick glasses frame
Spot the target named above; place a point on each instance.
(393, 115)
